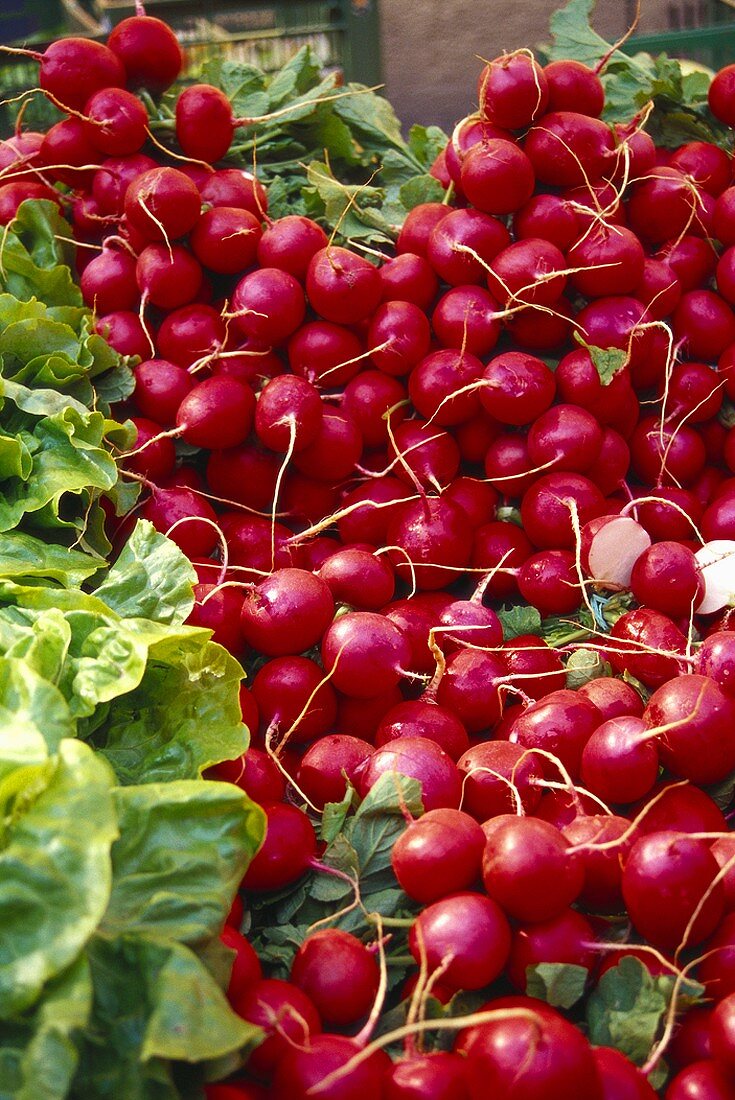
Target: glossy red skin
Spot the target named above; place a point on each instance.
(218, 609)
(216, 413)
(437, 855)
(283, 687)
(512, 91)
(618, 763)
(567, 149)
(269, 304)
(73, 69)
(481, 232)
(360, 717)
(619, 1078)
(160, 387)
(225, 239)
(602, 890)
(365, 653)
(665, 876)
(409, 278)
(185, 508)
(273, 1000)
(699, 742)
(436, 382)
(682, 806)
(167, 195)
(470, 926)
(533, 666)
(342, 286)
(149, 50)
(716, 972)
(399, 336)
(470, 688)
(235, 187)
(703, 1080)
(691, 1039)
(518, 387)
(290, 243)
(529, 871)
(418, 225)
(559, 940)
(546, 509)
(246, 968)
(538, 1058)
(500, 545)
(235, 1090)
(465, 317)
(561, 723)
(638, 632)
(338, 974)
(420, 759)
(287, 613)
(255, 773)
(716, 658)
(485, 795)
(574, 87)
(327, 762)
(284, 855)
(438, 1075)
(302, 1068)
(612, 697)
(415, 718)
(434, 533)
(496, 176)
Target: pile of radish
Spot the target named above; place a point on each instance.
(465, 511)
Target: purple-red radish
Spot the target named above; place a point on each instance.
(359, 578)
(329, 765)
(603, 866)
(528, 869)
(409, 278)
(557, 506)
(116, 122)
(416, 718)
(342, 286)
(500, 778)
(160, 386)
(470, 688)
(286, 1015)
(288, 414)
(225, 239)
(286, 613)
(162, 204)
(561, 724)
(292, 695)
(303, 1068)
(463, 243)
(398, 337)
(497, 176)
(694, 724)
(288, 847)
(124, 331)
(186, 517)
(373, 399)
(365, 653)
(168, 277)
(204, 123)
(528, 272)
(533, 666)
(574, 87)
(438, 855)
(112, 178)
(563, 939)
(268, 305)
(338, 974)
(108, 281)
(512, 91)
(647, 645)
(517, 387)
(421, 759)
(216, 413)
(468, 928)
(466, 317)
(289, 244)
(236, 187)
(190, 333)
(433, 541)
(149, 51)
(620, 762)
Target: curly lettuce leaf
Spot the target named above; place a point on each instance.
(151, 579)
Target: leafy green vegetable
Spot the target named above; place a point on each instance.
(519, 619)
(559, 984)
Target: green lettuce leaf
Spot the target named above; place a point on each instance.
(151, 579)
(34, 716)
(55, 873)
(23, 556)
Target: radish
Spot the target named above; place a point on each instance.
(162, 204)
(500, 778)
(436, 386)
(329, 764)
(322, 352)
(160, 386)
(246, 968)
(408, 278)
(620, 1079)
(560, 723)
(268, 305)
(567, 148)
(574, 87)
(647, 645)
(680, 806)
(619, 762)
(603, 866)
(665, 879)
(367, 510)
(365, 653)
(108, 282)
(418, 225)
(716, 658)
(694, 261)
(168, 277)
(438, 855)
(116, 122)
(341, 285)
(73, 69)
(704, 323)
(517, 387)
(335, 450)
(286, 613)
(612, 260)
(513, 91)
(437, 1075)
(565, 437)
(421, 759)
(716, 561)
(528, 869)
(550, 582)
(424, 454)
(399, 337)
(286, 851)
(613, 697)
(475, 497)
(153, 455)
(123, 330)
(292, 696)
(190, 333)
(149, 50)
(497, 176)
(302, 1069)
(663, 205)
(557, 506)
(67, 155)
(500, 548)
(697, 720)
(533, 666)
(529, 272)
(254, 772)
(457, 241)
(204, 123)
(286, 1015)
(225, 239)
(185, 517)
(244, 475)
(469, 929)
(667, 577)
(217, 412)
(372, 400)
(563, 939)
(238, 188)
(467, 317)
(434, 540)
(549, 218)
(111, 180)
(338, 974)
(290, 243)
(359, 578)
(288, 414)
(705, 1080)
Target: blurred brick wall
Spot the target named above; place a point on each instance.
(430, 48)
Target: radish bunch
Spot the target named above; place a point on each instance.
(526, 402)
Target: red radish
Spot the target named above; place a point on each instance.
(190, 333)
(697, 723)
(368, 510)
(693, 261)
(537, 328)
(548, 218)
(564, 939)
(565, 437)
(362, 716)
(468, 623)
(612, 259)
(437, 1075)
(303, 1068)
(475, 497)
(610, 546)
(513, 91)
(341, 285)
(13, 194)
(418, 225)
(500, 778)
(528, 272)
(108, 282)
(667, 578)
(533, 666)
(620, 1079)
(162, 204)
(550, 582)
(556, 506)
(497, 176)
(292, 696)
(288, 414)
(217, 412)
(168, 277)
(329, 764)
(289, 243)
(459, 239)
(647, 645)
(423, 453)
(535, 1056)
(153, 456)
(73, 69)
(567, 149)
(466, 317)
(185, 517)
(225, 239)
(666, 455)
(149, 50)
(517, 387)
(204, 122)
(681, 806)
(574, 87)
(619, 763)
(421, 759)
(603, 867)
(613, 697)
(705, 1080)
(665, 880)
(368, 399)
(334, 451)
(67, 155)
(663, 205)
(561, 723)
(359, 578)
(409, 278)
(268, 305)
(659, 289)
(284, 855)
(704, 323)
(434, 540)
(246, 968)
(716, 658)
(112, 178)
(416, 620)
(469, 929)
(672, 513)
(160, 387)
(527, 868)
(500, 548)
(436, 384)
(254, 772)
(438, 855)
(338, 974)
(365, 653)
(286, 1015)
(323, 352)
(245, 475)
(398, 337)
(116, 122)
(235, 187)
(124, 331)
(286, 613)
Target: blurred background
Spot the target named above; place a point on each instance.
(425, 52)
